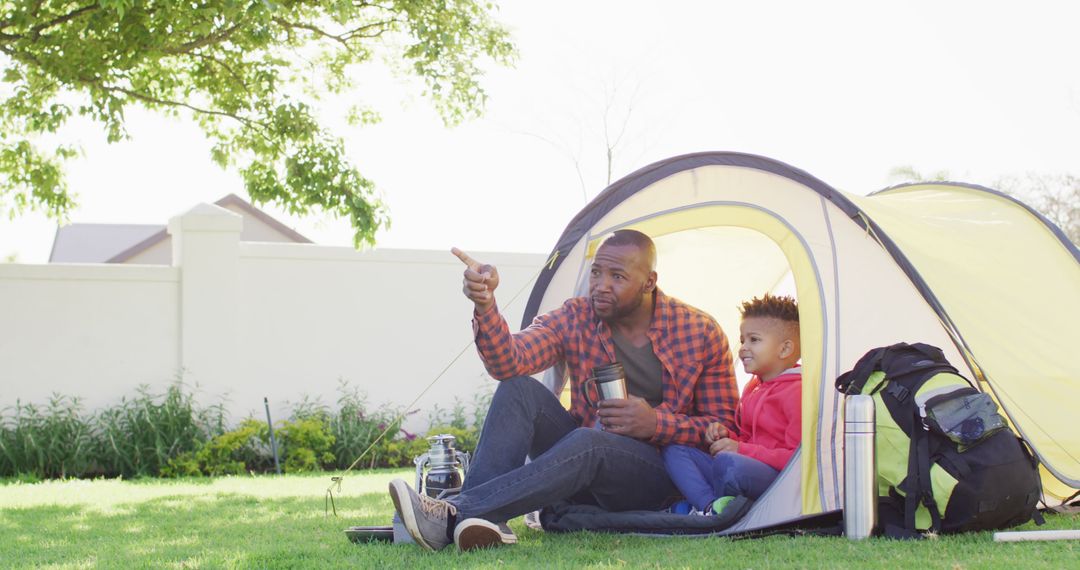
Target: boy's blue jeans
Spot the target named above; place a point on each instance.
(583, 465)
(703, 478)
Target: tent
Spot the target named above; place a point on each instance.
(962, 267)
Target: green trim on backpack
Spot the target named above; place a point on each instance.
(893, 444)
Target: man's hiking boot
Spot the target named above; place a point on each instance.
(426, 519)
(475, 533)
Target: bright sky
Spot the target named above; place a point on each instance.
(844, 90)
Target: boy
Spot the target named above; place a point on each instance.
(768, 418)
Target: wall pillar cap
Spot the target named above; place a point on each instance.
(206, 218)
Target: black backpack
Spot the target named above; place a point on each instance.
(949, 427)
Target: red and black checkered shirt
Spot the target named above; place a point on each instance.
(698, 383)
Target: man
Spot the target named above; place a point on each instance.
(679, 376)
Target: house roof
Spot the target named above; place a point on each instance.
(97, 243)
(117, 243)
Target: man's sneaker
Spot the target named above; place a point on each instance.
(425, 518)
(471, 534)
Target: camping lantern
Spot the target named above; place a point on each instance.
(442, 462)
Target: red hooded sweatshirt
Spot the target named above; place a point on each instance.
(769, 418)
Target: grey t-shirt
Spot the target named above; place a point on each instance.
(644, 373)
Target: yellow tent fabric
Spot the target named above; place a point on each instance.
(1011, 288)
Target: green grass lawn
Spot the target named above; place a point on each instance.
(279, 522)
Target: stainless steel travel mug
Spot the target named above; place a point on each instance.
(609, 381)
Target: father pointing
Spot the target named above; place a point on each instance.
(679, 376)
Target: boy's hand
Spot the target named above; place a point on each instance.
(715, 431)
(724, 444)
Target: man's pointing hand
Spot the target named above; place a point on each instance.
(480, 281)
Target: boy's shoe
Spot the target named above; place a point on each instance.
(532, 520)
(426, 519)
(682, 507)
(718, 505)
(694, 512)
(471, 534)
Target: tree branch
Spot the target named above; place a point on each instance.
(202, 42)
(236, 76)
(35, 32)
(158, 101)
(344, 37)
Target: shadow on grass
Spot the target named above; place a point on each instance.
(225, 530)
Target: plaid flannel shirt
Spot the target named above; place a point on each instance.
(698, 380)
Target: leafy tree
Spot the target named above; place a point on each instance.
(248, 71)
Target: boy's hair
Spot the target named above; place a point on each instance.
(778, 307)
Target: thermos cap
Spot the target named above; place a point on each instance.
(859, 409)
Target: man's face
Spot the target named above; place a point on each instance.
(619, 281)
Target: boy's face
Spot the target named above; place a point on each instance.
(765, 346)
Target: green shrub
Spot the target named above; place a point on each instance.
(355, 428)
(141, 435)
(400, 452)
(170, 435)
(239, 451)
(55, 441)
(458, 423)
(184, 465)
(306, 443)
(458, 417)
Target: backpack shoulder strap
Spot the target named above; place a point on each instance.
(853, 381)
(917, 486)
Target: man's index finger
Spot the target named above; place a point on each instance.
(464, 257)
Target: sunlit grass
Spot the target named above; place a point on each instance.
(279, 522)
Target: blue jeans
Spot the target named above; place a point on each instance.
(703, 479)
(582, 465)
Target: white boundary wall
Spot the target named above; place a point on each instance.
(244, 320)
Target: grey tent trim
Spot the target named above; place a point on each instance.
(644, 177)
(836, 345)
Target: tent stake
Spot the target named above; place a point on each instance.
(273, 442)
(1029, 535)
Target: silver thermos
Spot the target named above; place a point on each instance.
(860, 467)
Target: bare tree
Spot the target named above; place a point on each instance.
(598, 133)
(1056, 196)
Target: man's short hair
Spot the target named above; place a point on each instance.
(778, 307)
(636, 239)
